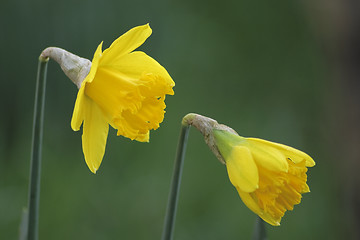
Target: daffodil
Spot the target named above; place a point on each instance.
(268, 176)
(124, 88)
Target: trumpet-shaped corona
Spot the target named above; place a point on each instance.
(124, 88)
(269, 177)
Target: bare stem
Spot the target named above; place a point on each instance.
(259, 230)
(35, 171)
(175, 184)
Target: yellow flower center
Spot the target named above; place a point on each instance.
(280, 191)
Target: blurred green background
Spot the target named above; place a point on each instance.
(261, 67)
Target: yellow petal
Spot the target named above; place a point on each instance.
(268, 156)
(295, 155)
(94, 65)
(242, 170)
(249, 201)
(126, 43)
(136, 64)
(95, 132)
(78, 113)
(114, 92)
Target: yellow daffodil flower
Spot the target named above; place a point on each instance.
(124, 88)
(269, 177)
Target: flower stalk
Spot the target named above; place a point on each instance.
(35, 170)
(203, 124)
(175, 183)
(259, 230)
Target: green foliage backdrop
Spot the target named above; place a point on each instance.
(254, 65)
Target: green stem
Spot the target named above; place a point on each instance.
(34, 186)
(259, 230)
(175, 184)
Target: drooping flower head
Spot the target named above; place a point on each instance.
(123, 88)
(126, 89)
(269, 177)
